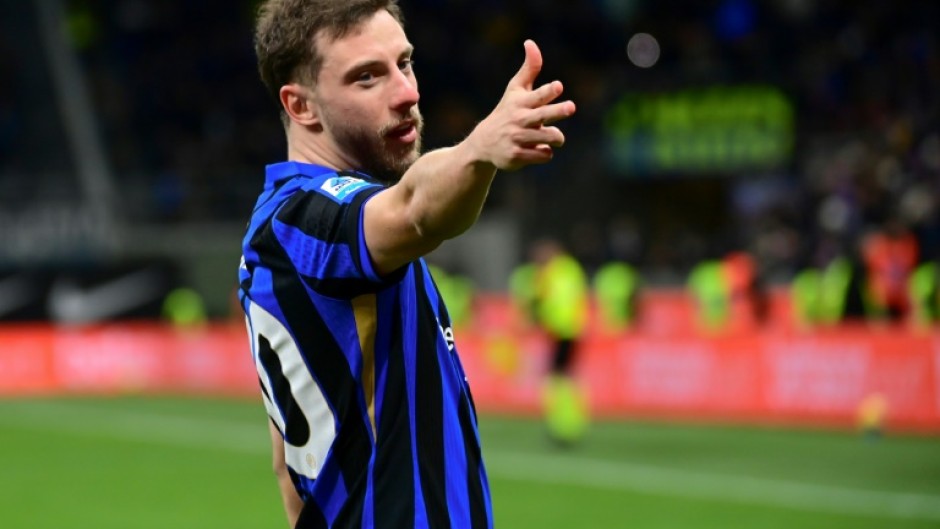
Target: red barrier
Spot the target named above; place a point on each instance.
(124, 358)
(664, 368)
(821, 378)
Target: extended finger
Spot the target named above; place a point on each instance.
(543, 95)
(540, 153)
(549, 114)
(531, 67)
(551, 136)
(535, 154)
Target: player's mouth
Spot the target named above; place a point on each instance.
(406, 132)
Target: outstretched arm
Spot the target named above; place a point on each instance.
(442, 194)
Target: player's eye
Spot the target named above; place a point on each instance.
(406, 65)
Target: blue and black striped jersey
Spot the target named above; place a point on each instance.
(359, 372)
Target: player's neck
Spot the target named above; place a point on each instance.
(302, 146)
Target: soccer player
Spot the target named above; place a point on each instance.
(554, 290)
(371, 416)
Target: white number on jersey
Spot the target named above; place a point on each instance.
(290, 385)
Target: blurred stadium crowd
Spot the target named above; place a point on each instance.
(187, 128)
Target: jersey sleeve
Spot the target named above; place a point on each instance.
(320, 228)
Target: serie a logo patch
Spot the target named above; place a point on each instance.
(341, 187)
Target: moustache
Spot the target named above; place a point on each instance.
(414, 119)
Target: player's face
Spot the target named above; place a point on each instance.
(367, 96)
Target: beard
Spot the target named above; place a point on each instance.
(376, 151)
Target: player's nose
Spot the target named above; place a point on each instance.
(405, 90)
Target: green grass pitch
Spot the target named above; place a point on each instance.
(141, 463)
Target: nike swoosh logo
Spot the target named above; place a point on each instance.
(69, 303)
(15, 292)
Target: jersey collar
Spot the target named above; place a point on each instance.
(279, 171)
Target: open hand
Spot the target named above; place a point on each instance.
(519, 131)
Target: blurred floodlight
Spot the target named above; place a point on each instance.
(643, 50)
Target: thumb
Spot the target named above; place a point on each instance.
(526, 75)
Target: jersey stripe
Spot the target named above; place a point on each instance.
(477, 492)
(394, 488)
(297, 212)
(311, 518)
(480, 506)
(313, 257)
(364, 310)
(429, 405)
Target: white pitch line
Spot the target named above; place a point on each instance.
(142, 426)
(617, 475)
(569, 470)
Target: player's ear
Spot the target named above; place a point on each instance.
(299, 104)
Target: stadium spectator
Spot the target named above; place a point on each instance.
(728, 293)
(616, 286)
(819, 296)
(371, 419)
(924, 291)
(890, 256)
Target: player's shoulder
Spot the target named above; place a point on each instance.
(341, 187)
